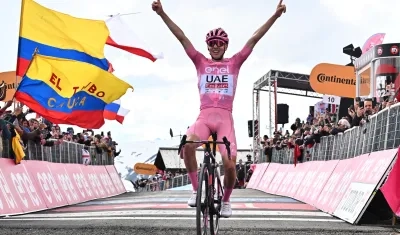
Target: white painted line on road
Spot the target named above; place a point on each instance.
(174, 212)
(172, 218)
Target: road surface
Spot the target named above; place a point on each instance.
(166, 212)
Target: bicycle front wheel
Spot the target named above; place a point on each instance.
(202, 209)
(216, 192)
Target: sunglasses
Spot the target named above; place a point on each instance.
(217, 42)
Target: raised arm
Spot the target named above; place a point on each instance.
(157, 7)
(281, 8)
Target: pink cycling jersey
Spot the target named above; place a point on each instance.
(217, 83)
(217, 80)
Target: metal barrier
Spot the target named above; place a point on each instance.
(65, 152)
(380, 132)
(176, 181)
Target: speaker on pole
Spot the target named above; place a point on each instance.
(283, 113)
(250, 127)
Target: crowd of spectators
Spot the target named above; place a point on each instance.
(162, 177)
(39, 131)
(305, 134)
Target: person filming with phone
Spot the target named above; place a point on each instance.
(361, 112)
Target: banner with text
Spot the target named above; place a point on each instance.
(343, 188)
(39, 185)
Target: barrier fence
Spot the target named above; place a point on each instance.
(65, 152)
(176, 181)
(47, 180)
(380, 132)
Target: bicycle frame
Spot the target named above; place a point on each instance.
(210, 163)
(208, 171)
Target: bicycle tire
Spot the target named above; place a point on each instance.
(216, 186)
(202, 207)
(395, 225)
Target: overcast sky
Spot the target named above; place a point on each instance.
(166, 95)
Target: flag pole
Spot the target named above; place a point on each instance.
(29, 65)
(125, 14)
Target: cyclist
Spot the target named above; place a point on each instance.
(217, 80)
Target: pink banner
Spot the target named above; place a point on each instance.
(104, 179)
(372, 41)
(305, 185)
(26, 193)
(8, 193)
(119, 186)
(289, 178)
(331, 186)
(94, 181)
(373, 167)
(391, 189)
(257, 176)
(278, 179)
(65, 182)
(75, 174)
(39, 185)
(338, 183)
(268, 176)
(322, 177)
(46, 184)
(301, 171)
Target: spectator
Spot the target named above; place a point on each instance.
(296, 125)
(240, 174)
(360, 114)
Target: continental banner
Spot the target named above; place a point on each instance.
(145, 169)
(338, 80)
(8, 85)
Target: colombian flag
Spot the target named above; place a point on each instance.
(59, 35)
(56, 89)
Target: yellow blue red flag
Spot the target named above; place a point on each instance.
(59, 35)
(56, 89)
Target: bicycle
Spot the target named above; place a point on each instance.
(209, 210)
(395, 225)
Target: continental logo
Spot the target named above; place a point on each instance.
(3, 91)
(338, 80)
(145, 169)
(8, 85)
(322, 78)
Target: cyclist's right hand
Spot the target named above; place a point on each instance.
(157, 7)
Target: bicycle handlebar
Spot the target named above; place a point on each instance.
(224, 141)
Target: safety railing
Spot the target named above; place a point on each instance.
(380, 132)
(65, 152)
(176, 181)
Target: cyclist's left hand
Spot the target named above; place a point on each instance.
(281, 8)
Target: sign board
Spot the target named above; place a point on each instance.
(353, 202)
(145, 169)
(334, 79)
(331, 99)
(85, 157)
(9, 81)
